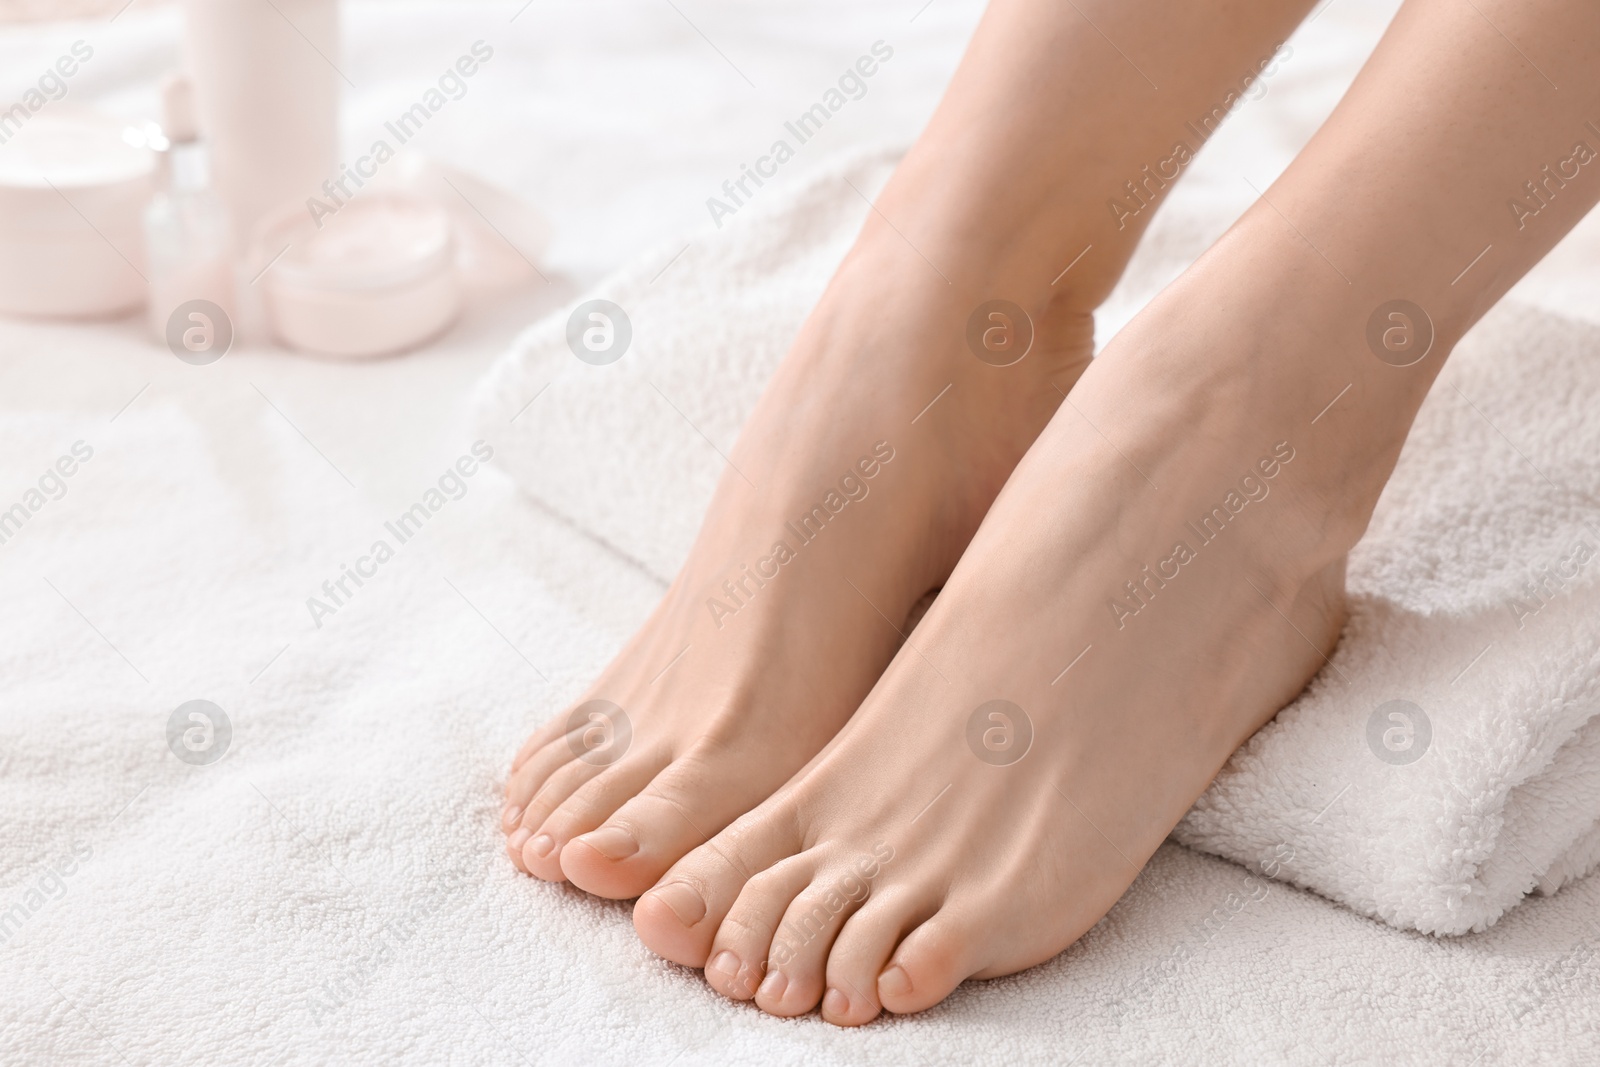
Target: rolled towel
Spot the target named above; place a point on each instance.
(1442, 766)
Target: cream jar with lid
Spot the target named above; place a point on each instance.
(375, 278)
(72, 187)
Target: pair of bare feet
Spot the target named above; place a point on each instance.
(818, 809)
(1139, 557)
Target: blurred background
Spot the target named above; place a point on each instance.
(593, 136)
(39, 10)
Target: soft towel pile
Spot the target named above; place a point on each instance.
(1447, 761)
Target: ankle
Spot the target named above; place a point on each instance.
(978, 241)
(1258, 364)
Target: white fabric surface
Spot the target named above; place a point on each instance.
(1494, 494)
(1505, 795)
(333, 889)
(360, 791)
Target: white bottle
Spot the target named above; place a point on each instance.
(188, 236)
(267, 96)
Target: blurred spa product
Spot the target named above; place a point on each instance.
(379, 277)
(187, 234)
(72, 187)
(267, 97)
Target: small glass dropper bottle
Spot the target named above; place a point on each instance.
(188, 237)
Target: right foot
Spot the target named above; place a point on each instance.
(881, 411)
(985, 807)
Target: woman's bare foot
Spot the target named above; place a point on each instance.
(1004, 197)
(1161, 574)
(858, 480)
(1163, 570)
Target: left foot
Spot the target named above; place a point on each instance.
(744, 671)
(939, 837)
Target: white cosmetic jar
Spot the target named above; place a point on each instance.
(71, 193)
(375, 278)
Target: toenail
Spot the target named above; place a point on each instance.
(519, 838)
(894, 982)
(685, 903)
(543, 845)
(510, 816)
(612, 842)
(725, 964)
(836, 1003)
(773, 986)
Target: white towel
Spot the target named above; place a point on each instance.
(334, 889)
(1493, 497)
(1474, 599)
(631, 450)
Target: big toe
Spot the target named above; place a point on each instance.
(679, 918)
(928, 965)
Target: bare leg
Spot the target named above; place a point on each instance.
(1043, 123)
(1195, 566)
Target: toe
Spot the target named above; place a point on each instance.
(681, 809)
(861, 951)
(928, 965)
(594, 801)
(527, 779)
(534, 850)
(739, 961)
(800, 947)
(552, 729)
(679, 918)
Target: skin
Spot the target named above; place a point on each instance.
(1260, 348)
(715, 730)
(894, 861)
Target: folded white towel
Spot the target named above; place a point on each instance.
(1474, 600)
(631, 450)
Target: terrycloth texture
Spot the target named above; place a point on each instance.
(1476, 597)
(1509, 794)
(631, 450)
(345, 848)
(334, 890)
